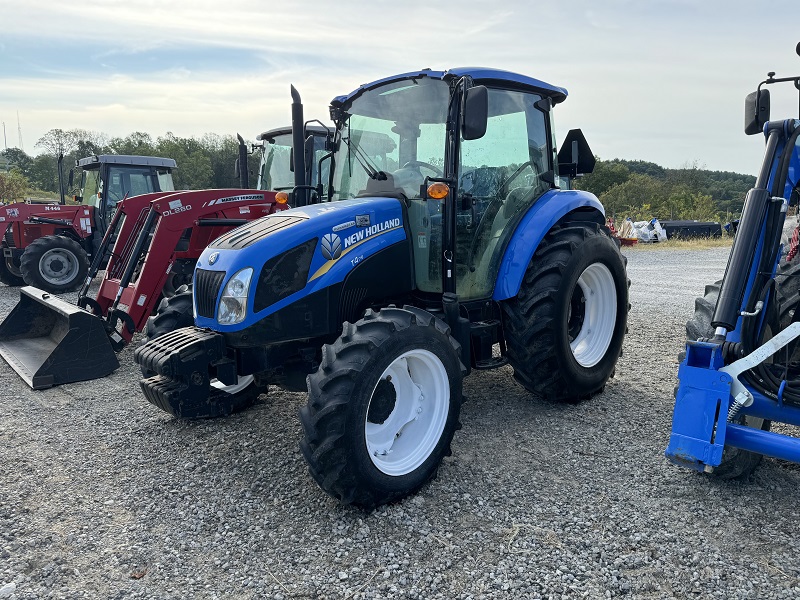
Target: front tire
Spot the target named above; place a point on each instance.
(564, 329)
(383, 407)
(54, 263)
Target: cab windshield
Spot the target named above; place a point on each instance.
(397, 129)
(276, 174)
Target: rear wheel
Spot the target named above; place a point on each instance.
(565, 328)
(736, 463)
(54, 263)
(176, 312)
(383, 407)
(788, 292)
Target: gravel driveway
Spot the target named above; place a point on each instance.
(104, 496)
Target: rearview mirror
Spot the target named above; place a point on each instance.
(575, 157)
(756, 111)
(475, 113)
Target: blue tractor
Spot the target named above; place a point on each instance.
(741, 371)
(448, 240)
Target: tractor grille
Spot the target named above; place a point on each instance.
(206, 290)
(243, 236)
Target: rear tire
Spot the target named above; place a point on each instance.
(176, 312)
(382, 407)
(788, 292)
(736, 463)
(565, 328)
(54, 263)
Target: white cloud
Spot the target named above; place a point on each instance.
(661, 81)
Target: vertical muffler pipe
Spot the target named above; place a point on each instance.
(299, 195)
(244, 175)
(62, 199)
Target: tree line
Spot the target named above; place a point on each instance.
(627, 188)
(207, 162)
(643, 190)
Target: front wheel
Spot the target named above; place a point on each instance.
(54, 263)
(564, 329)
(383, 407)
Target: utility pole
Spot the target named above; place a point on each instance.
(19, 132)
(5, 142)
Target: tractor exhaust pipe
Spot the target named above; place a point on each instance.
(61, 200)
(300, 193)
(241, 164)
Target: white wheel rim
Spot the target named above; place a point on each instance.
(244, 381)
(413, 428)
(58, 266)
(598, 294)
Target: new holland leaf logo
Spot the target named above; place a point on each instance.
(331, 246)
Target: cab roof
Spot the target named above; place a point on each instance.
(481, 75)
(273, 133)
(125, 159)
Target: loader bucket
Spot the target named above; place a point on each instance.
(49, 341)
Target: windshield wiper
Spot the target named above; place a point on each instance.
(364, 161)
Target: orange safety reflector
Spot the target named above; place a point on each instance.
(438, 190)
(281, 197)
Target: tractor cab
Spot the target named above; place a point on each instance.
(276, 172)
(488, 151)
(107, 179)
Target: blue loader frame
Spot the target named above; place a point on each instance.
(712, 404)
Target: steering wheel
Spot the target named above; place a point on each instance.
(514, 175)
(419, 163)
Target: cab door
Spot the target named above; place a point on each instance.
(500, 175)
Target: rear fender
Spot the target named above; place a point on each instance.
(551, 208)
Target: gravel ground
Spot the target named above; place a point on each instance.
(104, 496)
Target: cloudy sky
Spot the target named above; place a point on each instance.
(657, 80)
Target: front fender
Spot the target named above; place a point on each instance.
(539, 219)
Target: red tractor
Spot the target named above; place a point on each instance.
(151, 239)
(49, 246)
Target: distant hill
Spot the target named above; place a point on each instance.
(643, 190)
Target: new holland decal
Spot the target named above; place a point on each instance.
(333, 249)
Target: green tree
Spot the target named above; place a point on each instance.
(137, 144)
(44, 173)
(19, 159)
(13, 185)
(606, 175)
(194, 170)
(637, 197)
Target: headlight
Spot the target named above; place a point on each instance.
(233, 304)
